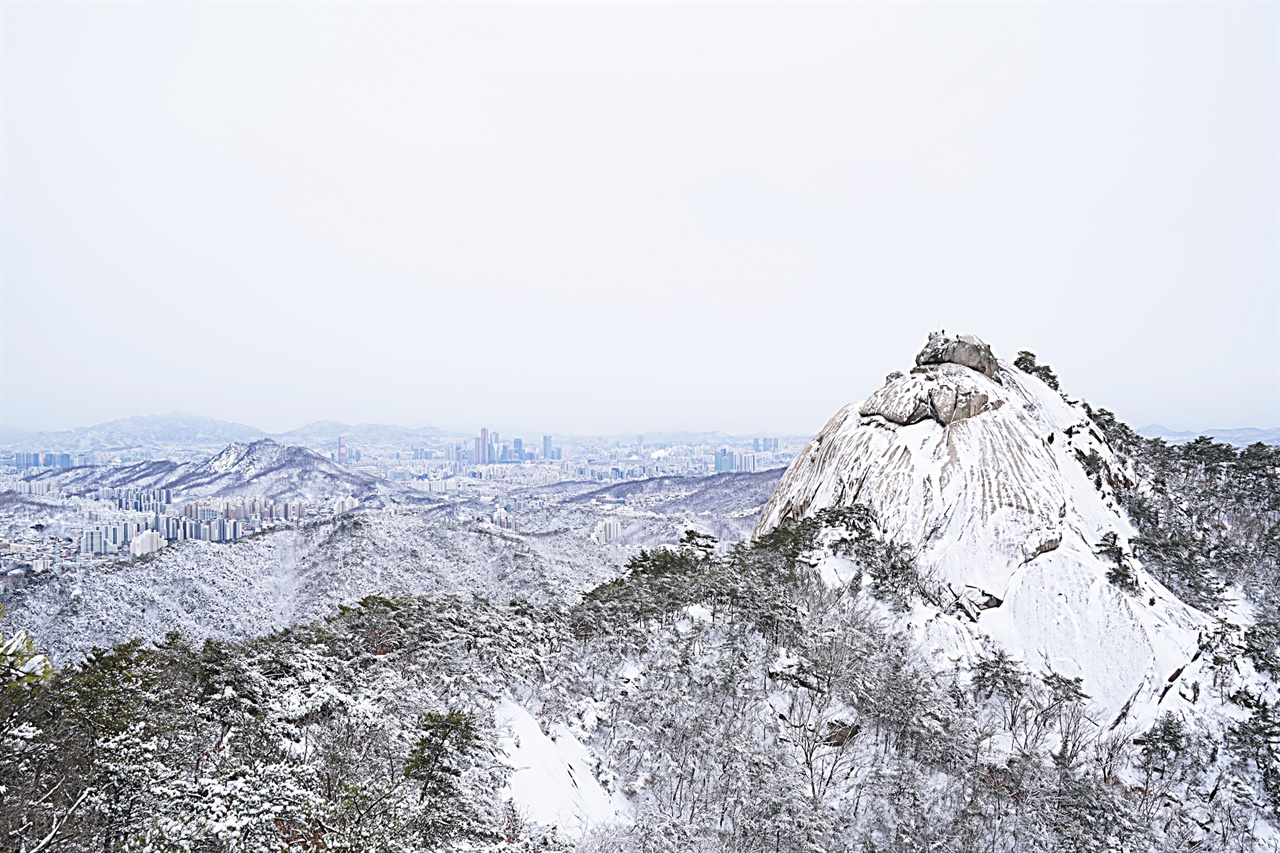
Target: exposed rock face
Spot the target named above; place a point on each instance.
(944, 392)
(975, 466)
(962, 349)
(951, 403)
(904, 401)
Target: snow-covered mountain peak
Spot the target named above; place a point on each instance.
(999, 484)
(250, 458)
(274, 470)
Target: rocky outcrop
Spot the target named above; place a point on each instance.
(953, 460)
(945, 393)
(965, 350)
(990, 461)
(951, 403)
(904, 401)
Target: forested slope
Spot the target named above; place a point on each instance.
(733, 701)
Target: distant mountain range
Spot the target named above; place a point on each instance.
(173, 430)
(192, 432)
(327, 433)
(10, 434)
(182, 431)
(1237, 437)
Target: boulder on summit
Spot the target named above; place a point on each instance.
(966, 350)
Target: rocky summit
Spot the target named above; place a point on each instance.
(979, 468)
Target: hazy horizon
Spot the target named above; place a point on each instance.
(509, 431)
(600, 219)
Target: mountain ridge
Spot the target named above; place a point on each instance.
(181, 430)
(261, 467)
(1237, 436)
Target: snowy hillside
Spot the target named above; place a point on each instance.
(266, 582)
(141, 475)
(986, 472)
(262, 468)
(727, 494)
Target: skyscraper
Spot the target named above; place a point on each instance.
(546, 447)
(518, 446)
(482, 452)
(342, 450)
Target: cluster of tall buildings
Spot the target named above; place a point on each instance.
(743, 463)
(608, 530)
(49, 460)
(37, 488)
(487, 455)
(145, 520)
(137, 500)
(344, 454)
(488, 448)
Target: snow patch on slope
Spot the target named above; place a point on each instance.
(552, 783)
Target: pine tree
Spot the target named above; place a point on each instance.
(1026, 362)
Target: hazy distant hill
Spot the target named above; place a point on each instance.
(181, 431)
(325, 434)
(1238, 437)
(177, 429)
(8, 434)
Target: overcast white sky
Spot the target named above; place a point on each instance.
(598, 218)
